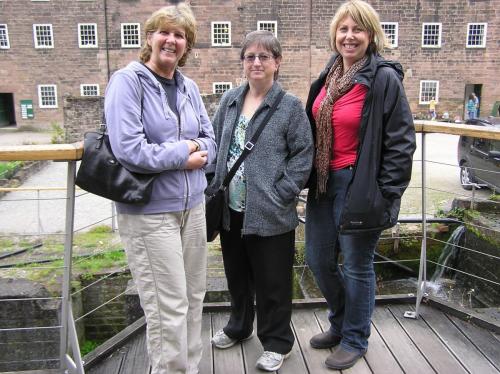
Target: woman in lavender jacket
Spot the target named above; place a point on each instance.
(157, 123)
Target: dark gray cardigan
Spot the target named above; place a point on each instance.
(277, 168)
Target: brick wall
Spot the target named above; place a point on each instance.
(302, 29)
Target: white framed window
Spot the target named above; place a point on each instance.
(87, 35)
(431, 35)
(4, 37)
(221, 87)
(42, 34)
(131, 35)
(269, 26)
(221, 34)
(47, 96)
(89, 90)
(428, 90)
(476, 35)
(391, 33)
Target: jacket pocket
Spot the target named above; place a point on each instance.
(366, 211)
(277, 199)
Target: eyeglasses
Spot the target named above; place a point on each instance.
(263, 57)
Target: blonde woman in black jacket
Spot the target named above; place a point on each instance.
(365, 139)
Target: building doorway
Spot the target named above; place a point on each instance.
(7, 112)
(476, 89)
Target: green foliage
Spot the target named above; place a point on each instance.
(88, 346)
(457, 213)
(57, 133)
(494, 197)
(98, 263)
(8, 169)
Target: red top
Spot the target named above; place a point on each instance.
(346, 118)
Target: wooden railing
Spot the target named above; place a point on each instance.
(73, 152)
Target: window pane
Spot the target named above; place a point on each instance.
(88, 35)
(390, 30)
(431, 35)
(221, 34)
(268, 25)
(475, 36)
(428, 90)
(48, 96)
(4, 37)
(43, 35)
(220, 88)
(130, 35)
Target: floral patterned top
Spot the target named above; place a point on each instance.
(238, 185)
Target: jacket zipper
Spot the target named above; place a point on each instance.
(362, 131)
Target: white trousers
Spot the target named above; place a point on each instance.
(167, 256)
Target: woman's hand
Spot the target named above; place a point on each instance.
(196, 160)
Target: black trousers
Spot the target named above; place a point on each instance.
(259, 267)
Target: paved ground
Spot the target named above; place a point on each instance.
(22, 212)
(32, 211)
(11, 136)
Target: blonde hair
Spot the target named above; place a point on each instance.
(179, 15)
(364, 15)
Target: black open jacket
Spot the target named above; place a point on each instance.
(385, 151)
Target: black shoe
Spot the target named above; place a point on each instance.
(342, 359)
(325, 340)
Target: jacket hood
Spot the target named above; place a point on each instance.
(142, 71)
(374, 63)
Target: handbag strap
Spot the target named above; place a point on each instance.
(141, 88)
(251, 143)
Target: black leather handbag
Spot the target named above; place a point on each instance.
(101, 174)
(214, 200)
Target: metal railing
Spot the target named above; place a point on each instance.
(72, 153)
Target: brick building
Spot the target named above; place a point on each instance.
(53, 48)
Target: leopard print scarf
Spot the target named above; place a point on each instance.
(337, 84)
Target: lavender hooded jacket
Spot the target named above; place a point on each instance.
(152, 140)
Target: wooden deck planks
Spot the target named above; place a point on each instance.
(228, 360)
(206, 363)
(136, 360)
(361, 367)
(457, 342)
(306, 326)
(112, 364)
(379, 357)
(401, 346)
(484, 340)
(435, 343)
(429, 344)
(295, 363)
(252, 349)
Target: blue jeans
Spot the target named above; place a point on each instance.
(349, 289)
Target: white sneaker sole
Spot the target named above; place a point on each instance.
(234, 342)
(274, 368)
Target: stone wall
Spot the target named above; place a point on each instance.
(110, 319)
(82, 114)
(27, 349)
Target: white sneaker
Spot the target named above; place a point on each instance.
(222, 341)
(271, 361)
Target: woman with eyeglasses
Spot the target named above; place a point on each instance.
(260, 215)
